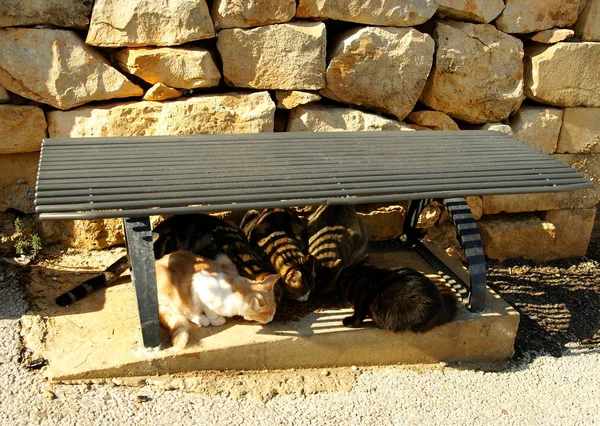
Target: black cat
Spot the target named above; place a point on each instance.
(395, 299)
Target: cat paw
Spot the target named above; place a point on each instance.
(350, 322)
(201, 320)
(218, 321)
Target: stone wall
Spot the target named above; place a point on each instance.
(75, 68)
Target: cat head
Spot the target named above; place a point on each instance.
(300, 281)
(260, 301)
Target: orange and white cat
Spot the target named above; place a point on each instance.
(194, 289)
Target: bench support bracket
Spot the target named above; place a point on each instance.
(138, 234)
(468, 236)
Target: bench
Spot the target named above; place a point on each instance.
(135, 177)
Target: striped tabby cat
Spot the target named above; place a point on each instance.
(201, 234)
(279, 236)
(337, 238)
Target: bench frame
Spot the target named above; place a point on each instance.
(213, 173)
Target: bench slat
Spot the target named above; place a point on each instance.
(114, 177)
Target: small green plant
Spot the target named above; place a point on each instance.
(26, 243)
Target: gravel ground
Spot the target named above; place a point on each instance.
(553, 379)
(535, 389)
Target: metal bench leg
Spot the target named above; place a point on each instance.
(138, 234)
(470, 240)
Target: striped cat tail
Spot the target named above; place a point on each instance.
(98, 282)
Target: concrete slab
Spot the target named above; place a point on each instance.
(99, 337)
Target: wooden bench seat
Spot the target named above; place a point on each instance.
(135, 177)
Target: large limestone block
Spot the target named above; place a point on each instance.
(117, 23)
(589, 165)
(478, 73)
(433, 119)
(55, 67)
(573, 231)
(321, 118)
(22, 129)
(181, 68)
(587, 26)
(527, 16)
(538, 127)
(58, 13)
(17, 181)
(393, 13)
(563, 74)
(515, 236)
(289, 99)
(251, 13)
(205, 114)
(481, 11)
(384, 69)
(284, 56)
(580, 131)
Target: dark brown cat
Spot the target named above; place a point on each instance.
(337, 238)
(395, 299)
(279, 236)
(201, 234)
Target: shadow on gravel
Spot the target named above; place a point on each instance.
(559, 303)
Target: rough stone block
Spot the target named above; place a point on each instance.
(480, 11)
(17, 181)
(538, 127)
(580, 131)
(573, 231)
(251, 13)
(384, 222)
(587, 26)
(55, 67)
(289, 99)
(161, 92)
(516, 235)
(527, 16)
(380, 68)
(227, 113)
(393, 13)
(433, 119)
(563, 74)
(322, 118)
(116, 23)
(58, 13)
(22, 129)
(177, 67)
(285, 56)
(551, 36)
(477, 75)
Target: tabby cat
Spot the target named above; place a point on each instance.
(194, 289)
(337, 238)
(395, 299)
(202, 234)
(280, 237)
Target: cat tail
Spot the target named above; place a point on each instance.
(178, 326)
(106, 278)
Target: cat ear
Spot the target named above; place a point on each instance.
(256, 304)
(270, 281)
(294, 277)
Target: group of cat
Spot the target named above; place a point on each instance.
(208, 269)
